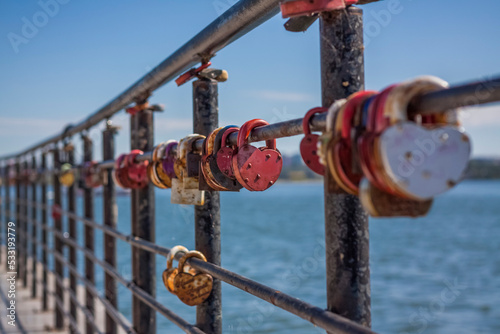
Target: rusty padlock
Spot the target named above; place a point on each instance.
(157, 174)
(421, 160)
(92, 175)
(169, 158)
(342, 149)
(309, 144)
(225, 153)
(184, 187)
(67, 175)
(221, 155)
(120, 175)
(192, 289)
(379, 203)
(207, 151)
(256, 169)
(136, 170)
(170, 273)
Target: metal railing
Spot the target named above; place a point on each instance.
(347, 294)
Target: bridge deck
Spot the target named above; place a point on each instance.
(30, 318)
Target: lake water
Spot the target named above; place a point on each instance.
(276, 238)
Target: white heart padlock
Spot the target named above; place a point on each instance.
(421, 162)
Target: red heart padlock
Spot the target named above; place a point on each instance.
(256, 169)
(120, 173)
(309, 144)
(137, 170)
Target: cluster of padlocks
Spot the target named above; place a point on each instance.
(372, 146)
(219, 166)
(189, 285)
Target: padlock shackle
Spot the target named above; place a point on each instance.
(247, 128)
(188, 255)
(210, 140)
(173, 252)
(306, 125)
(222, 135)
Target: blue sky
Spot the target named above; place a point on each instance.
(90, 51)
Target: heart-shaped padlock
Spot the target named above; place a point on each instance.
(208, 147)
(424, 162)
(137, 170)
(309, 144)
(222, 156)
(192, 289)
(169, 274)
(420, 161)
(256, 169)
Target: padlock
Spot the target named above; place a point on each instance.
(56, 211)
(185, 188)
(420, 161)
(136, 170)
(256, 169)
(192, 289)
(120, 173)
(225, 154)
(222, 155)
(92, 175)
(342, 149)
(379, 203)
(130, 173)
(157, 175)
(67, 175)
(326, 143)
(169, 158)
(170, 273)
(208, 149)
(309, 144)
(377, 197)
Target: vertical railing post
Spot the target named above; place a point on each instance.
(58, 243)
(25, 219)
(110, 219)
(143, 226)
(8, 208)
(43, 218)
(34, 230)
(207, 216)
(71, 205)
(18, 222)
(346, 223)
(88, 203)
